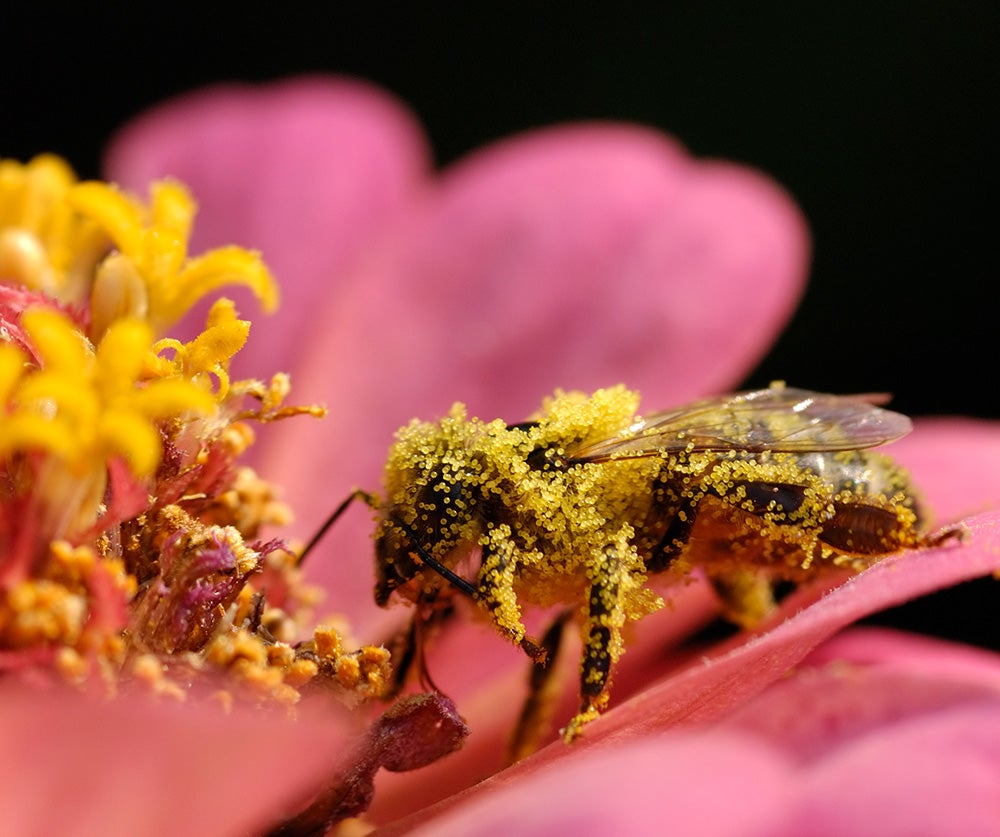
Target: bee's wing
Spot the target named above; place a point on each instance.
(777, 419)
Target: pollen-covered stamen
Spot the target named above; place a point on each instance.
(206, 358)
(201, 572)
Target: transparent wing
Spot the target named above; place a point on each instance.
(776, 419)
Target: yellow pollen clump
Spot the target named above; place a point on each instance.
(41, 612)
(327, 641)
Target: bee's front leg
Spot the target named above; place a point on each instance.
(495, 594)
(408, 646)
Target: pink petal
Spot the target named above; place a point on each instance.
(575, 257)
(79, 766)
(864, 682)
(956, 464)
(895, 649)
(306, 171)
(932, 775)
(663, 785)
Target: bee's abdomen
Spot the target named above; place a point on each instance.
(863, 529)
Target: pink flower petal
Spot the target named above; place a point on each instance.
(79, 766)
(894, 649)
(932, 775)
(663, 785)
(306, 171)
(575, 257)
(864, 682)
(956, 464)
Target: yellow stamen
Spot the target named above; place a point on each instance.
(154, 241)
(208, 355)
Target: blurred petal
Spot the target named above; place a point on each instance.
(661, 786)
(574, 257)
(82, 767)
(891, 733)
(895, 649)
(935, 774)
(956, 464)
(307, 171)
(862, 682)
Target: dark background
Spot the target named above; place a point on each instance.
(880, 118)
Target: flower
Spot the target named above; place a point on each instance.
(130, 560)
(576, 256)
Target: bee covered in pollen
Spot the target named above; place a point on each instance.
(580, 506)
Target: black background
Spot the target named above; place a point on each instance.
(880, 119)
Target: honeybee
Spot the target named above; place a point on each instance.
(580, 505)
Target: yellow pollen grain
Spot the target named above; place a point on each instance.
(280, 654)
(348, 672)
(301, 672)
(40, 612)
(147, 668)
(72, 665)
(327, 640)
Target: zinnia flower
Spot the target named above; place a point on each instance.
(573, 257)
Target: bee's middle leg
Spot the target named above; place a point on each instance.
(677, 535)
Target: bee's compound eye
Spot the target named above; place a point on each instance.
(771, 497)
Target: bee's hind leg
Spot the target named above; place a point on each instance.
(543, 689)
(600, 636)
(747, 596)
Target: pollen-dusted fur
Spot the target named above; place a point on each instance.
(578, 506)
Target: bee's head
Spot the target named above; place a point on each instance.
(429, 515)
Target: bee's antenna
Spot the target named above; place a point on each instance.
(357, 494)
